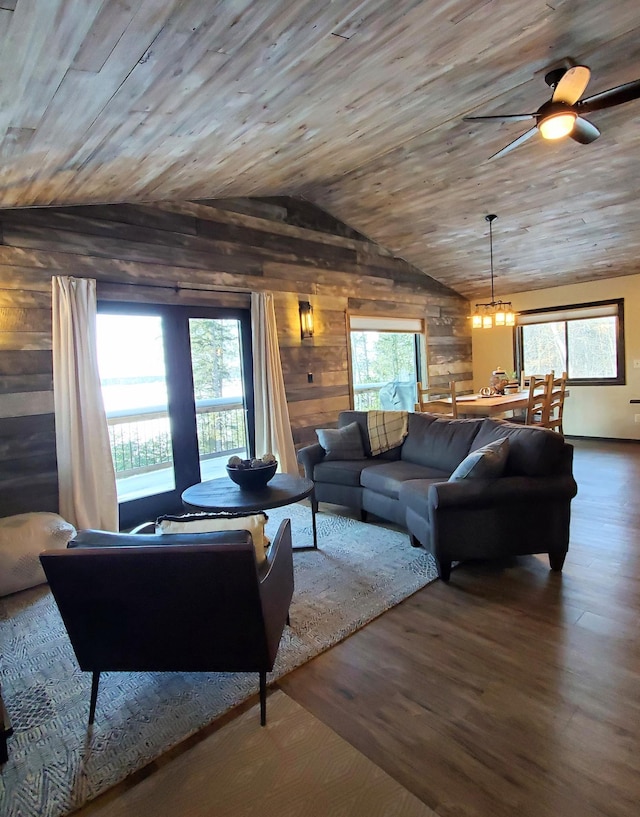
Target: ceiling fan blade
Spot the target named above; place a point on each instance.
(507, 117)
(523, 138)
(571, 85)
(614, 96)
(584, 131)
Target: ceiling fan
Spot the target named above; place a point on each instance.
(562, 114)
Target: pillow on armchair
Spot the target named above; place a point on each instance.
(210, 522)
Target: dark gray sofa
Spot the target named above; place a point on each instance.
(526, 510)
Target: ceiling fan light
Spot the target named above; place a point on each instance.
(557, 125)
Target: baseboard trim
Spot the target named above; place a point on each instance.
(602, 439)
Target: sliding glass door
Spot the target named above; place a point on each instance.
(216, 365)
(176, 383)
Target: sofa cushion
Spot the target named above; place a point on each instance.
(438, 442)
(341, 443)
(211, 522)
(533, 452)
(386, 478)
(414, 494)
(341, 472)
(487, 462)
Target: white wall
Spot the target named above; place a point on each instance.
(590, 411)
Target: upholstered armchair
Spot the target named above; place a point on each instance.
(173, 602)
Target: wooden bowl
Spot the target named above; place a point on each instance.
(252, 479)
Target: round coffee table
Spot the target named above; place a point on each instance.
(223, 495)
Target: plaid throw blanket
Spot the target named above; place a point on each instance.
(387, 429)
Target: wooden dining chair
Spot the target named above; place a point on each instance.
(525, 379)
(430, 400)
(555, 406)
(539, 399)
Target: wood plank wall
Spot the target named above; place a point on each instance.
(214, 253)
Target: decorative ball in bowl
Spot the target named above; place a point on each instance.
(254, 474)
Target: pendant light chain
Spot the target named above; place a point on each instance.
(494, 313)
(490, 219)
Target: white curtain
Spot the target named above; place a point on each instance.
(273, 429)
(87, 484)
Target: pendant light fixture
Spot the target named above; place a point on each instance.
(493, 313)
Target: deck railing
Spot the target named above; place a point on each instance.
(387, 394)
(367, 397)
(141, 438)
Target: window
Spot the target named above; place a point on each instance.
(584, 340)
(174, 382)
(386, 355)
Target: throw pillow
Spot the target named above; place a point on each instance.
(23, 537)
(207, 523)
(487, 462)
(342, 443)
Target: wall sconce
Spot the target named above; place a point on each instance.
(306, 319)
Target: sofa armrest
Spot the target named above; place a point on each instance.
(309, 457)
(481, 493)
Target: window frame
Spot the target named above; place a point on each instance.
(618, 380)
(181, 402)
(357, 322)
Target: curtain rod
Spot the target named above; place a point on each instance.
(175, 287)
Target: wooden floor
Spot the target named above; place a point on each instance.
(512, 690)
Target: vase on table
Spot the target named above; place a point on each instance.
(498, 380)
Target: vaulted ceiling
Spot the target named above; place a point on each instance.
(356, 105)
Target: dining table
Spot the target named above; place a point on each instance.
(477, 405)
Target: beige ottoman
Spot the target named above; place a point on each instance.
(23, 537)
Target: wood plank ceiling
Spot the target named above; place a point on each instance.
(356, 105)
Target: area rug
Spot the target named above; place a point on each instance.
(56, 763)
(295, 766)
